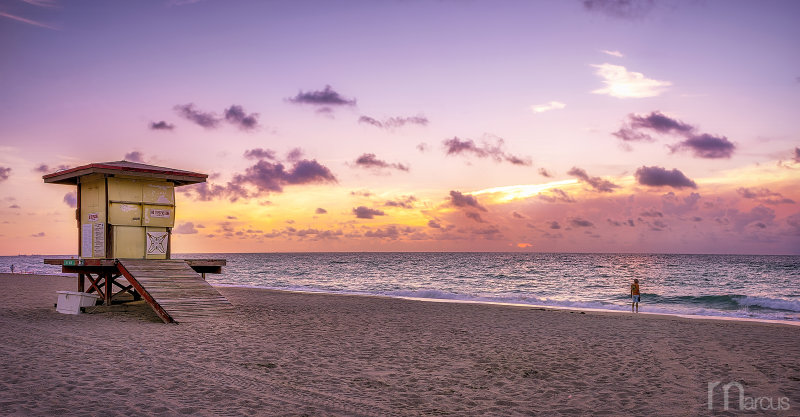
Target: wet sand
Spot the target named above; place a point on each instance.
(286, 353)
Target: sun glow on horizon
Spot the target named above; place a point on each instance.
(523, 191)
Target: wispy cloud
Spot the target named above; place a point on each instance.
(474, 216)
(263, 177)
(617, 223)
(672, 204)
(553, 105)
(361, 193)
(295, 155)
(597, 183)
(580, 222)
(556, 195)
(406, 202)
(207, 120)
(390, 232)
(621, 83)
(134, 156)
(268, 176)
(185, 229)
(656, 176)
(363, 212)
(456, 146)
(458, 199)
(764, 195)
(370, 161)
(303, 234)
(660, 123)
(706, 146)
(622, 9)
(629, 134)
(161, 125)
(394, 122)
(702, 145)
(71, 199)
(28, 21)
(259, 153)
(617, 54)
(324, 97)
(5, 172)
(236, 115)
(42, 3)
(46, 169)
(182, 2)
(758, 217)
(656, 121)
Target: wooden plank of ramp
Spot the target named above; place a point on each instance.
(173, 289)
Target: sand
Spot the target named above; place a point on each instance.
(287, 353)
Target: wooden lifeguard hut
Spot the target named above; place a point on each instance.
(125, 215)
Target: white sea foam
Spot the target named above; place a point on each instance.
(771, 303)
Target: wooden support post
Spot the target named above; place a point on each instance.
(123, 288)
(169, 243)
(108, 290)
(78, 218)
(80, 283)
(109, 239)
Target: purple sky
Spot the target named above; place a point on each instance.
(635, 126)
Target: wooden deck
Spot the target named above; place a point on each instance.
(173, 289)
(203, 266)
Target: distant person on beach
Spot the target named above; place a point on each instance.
(635, 295)
(12, 268)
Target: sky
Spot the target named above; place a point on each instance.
(541, 126)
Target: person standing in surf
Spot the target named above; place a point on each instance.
(635, 295)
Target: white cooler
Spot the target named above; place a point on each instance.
(70, 302)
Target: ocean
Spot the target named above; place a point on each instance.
(741, 286)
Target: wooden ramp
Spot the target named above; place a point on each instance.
(173, 289)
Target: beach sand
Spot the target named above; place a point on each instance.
(287, 353)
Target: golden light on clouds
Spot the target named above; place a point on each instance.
(517, 192)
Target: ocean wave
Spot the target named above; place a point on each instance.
(782, 309)
(770, 303)
(727, 301)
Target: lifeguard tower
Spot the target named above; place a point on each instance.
(125, 216)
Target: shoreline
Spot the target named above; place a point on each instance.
(294, 353)
(491, 302)
(523, 305)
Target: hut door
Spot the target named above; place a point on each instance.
(157, 242)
